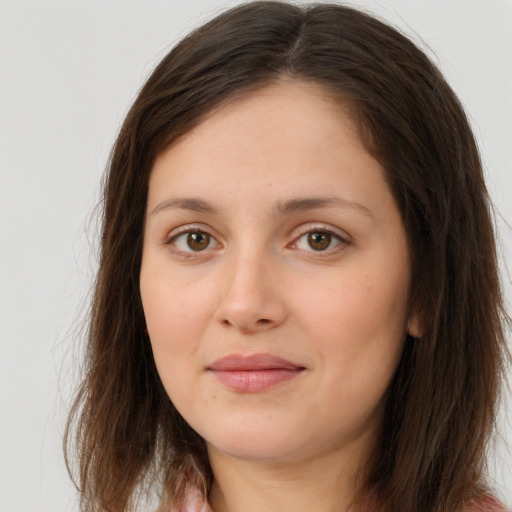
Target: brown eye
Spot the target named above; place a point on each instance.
(198, 241)
(188, 243)
(319, 241)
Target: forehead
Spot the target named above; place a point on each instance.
(285, 142)
(258, 127)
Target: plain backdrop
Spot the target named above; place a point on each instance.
(68, 72)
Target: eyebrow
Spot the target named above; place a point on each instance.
(189, 203)
(310, 203)
(282, 208)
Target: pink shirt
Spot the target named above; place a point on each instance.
(195, 503)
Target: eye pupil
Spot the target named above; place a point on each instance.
(198, 241)
(319, 241)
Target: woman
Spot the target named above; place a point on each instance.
(297, 305)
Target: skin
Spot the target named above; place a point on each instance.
(258, 286)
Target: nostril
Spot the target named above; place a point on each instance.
(264, 321)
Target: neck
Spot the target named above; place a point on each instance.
(329, 483)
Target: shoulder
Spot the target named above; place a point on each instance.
(487, 504)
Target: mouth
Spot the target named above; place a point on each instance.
(255, 373)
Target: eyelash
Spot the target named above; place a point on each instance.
(340, 242)
(334, 238)
(172, 240)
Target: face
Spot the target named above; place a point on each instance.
(275, 276)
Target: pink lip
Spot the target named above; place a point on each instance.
(251, 374)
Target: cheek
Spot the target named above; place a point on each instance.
(357, 305)
(175, 319)
(359, 340)
(174, 328)
(172, 305)
(358, 323)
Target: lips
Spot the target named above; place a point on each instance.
(255, 373)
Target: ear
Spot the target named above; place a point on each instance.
(414, 327)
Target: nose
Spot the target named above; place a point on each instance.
(251, 298)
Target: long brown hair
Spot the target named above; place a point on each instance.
(440, 407)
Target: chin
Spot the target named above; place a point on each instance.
(261, 449)
(248, 442)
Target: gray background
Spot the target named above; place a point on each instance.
(68, 73)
